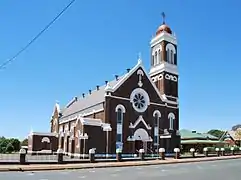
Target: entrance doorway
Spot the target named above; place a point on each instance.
(138, 145)
(44, 145)
(72, 146)
(141, 139)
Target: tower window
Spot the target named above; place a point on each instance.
(170, 53)
(171, 123)
(156, 55)
(155, 59)
(159, 56)
(171, 118)
(172, 57)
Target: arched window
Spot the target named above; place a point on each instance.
(120, 110)
(119, 116)
(157, 116)
(155, 63)
(159, 56)
(171, 118)
(170, 53)
(171, 57)
(156, 129)
(171, 123)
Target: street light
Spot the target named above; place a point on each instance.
(107, 128)
(84, 137)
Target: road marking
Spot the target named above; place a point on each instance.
(174, 166)
(82, 177)
(30, 174)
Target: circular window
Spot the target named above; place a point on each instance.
(140, 100)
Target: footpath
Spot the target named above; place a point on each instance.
(49, 167)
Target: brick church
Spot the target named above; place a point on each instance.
(139, 109)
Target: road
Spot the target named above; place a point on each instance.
(226, 169)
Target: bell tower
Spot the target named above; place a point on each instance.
(164, 72)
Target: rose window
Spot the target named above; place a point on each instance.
(140, 100)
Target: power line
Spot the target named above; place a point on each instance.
(36, 37)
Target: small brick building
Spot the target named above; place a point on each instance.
(45, 143)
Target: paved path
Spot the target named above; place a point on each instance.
(223, 169)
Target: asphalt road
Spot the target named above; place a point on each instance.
(227, 169)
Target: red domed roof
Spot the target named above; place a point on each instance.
(165, 28)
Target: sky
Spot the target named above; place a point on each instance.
(94, 40)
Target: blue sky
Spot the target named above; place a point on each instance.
(94, 40)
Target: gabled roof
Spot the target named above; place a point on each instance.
(139, 64)
(231, 134)
(209, 136)
(187, 134)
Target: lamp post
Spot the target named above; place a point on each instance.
(107, 129)
(84, 137)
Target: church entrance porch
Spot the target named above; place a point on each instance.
(142, 140)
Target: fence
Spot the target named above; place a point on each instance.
(24, 158)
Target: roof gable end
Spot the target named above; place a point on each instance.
(128, 75)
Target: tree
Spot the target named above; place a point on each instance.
(238, 135)
(15, 143)
(3, 144)
(9, 148)
(24, 142)
(216, 132)
(9, 145)
(234, 128)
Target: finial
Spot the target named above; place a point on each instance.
(163, 18)
(139, 55)
(56, 102)
(108, 87)
(139, 58)
(31, 130)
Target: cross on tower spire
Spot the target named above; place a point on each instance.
(163, 18)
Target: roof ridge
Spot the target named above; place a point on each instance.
(100, 86)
